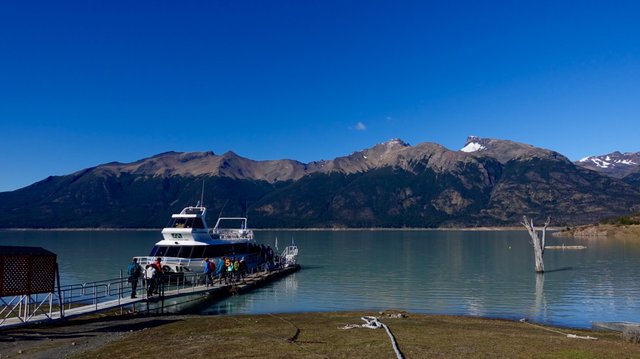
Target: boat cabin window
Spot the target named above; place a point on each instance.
(186, 223)
(172, 251)
(158, 251)
(198, 252)
(176, 251)
(197, 223)
(202, 251)
(179, 223)
(185, 251)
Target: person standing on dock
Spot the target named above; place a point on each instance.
(225, 270)
(158, 265)
(134, 270)
(236, 270)
(158, 275)
(209, 269)
(219, 264)
(229, 269)
(243, 268)
(150, 274)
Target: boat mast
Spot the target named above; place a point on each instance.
(202, 195)
(222, 209)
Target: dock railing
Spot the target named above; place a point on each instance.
(67, 300)
(90, 297)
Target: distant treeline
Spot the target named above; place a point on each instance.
(624, 220)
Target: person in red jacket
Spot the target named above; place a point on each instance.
(158, 265)
(158, 279)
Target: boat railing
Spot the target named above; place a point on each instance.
(231, 233)
(177, 262)
(197, 210)
(184, 264)
(289, 255)
(118, 288)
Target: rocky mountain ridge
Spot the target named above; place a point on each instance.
(505, 150)
(393, 184)
(388, 154)
(394, 153)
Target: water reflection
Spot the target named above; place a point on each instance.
(454, 272)
(540, 307)
(290, 285)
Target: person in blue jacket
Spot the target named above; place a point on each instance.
(209, 270)
(134, 271)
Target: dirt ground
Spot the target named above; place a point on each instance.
(75, 337)
(305, 335)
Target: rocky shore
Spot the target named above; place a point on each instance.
(601, 231)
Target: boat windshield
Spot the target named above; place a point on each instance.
(204, 251)
(181, 222)
(193, 210)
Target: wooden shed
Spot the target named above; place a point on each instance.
(26, 270)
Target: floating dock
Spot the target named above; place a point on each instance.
(181, 292)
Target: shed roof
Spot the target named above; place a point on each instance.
(7, 251)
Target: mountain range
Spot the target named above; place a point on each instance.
(489, 182)
(616, 164)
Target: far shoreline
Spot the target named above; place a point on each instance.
(466, 229)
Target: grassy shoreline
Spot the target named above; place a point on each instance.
(308, 335)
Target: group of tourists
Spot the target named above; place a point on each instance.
(150, 275)
(267, 255)
(227, 269)
(224, 269)
(264, 253)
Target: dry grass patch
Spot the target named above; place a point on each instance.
(317, 335)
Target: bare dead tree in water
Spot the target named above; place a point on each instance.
(538, 244)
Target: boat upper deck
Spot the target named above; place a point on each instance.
(190, 225)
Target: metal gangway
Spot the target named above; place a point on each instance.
(289, 255)
(74, 300)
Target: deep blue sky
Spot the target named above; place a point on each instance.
(88, 82)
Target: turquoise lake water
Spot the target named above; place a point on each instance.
(478, 273)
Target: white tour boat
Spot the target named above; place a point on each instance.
(187, 240)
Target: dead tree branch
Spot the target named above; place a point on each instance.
(538, 243)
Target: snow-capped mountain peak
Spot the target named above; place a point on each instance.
(472, 147)
(473, 144)
(614, 164)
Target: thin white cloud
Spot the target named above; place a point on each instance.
(360, 126)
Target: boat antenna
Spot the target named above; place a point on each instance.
(202, 194)
(222, 209)
(276, 243)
